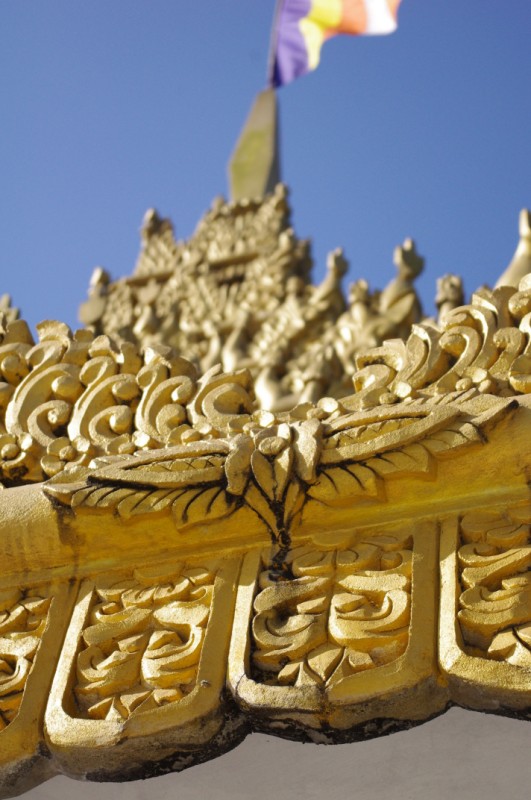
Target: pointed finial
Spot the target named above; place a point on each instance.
(336, 263)
(254, 168)
(524, 224)
(153, 224)
(406, 259)
(521, 262)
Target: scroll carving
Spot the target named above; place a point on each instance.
(482, 347)
(316, 653)
(342, 612)
(218, 402)
(23, 619)
(495, 574)
(141, 673)
(143, 641)
(71, 398)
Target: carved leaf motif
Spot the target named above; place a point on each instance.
(294, 502)
(411, 460)
(238, 464)
(194, 505)
(187, 481)
(345, 482)
(362, 448)
(358, 436)
(187, 505)
(266, 468)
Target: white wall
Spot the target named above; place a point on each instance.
(461, 755)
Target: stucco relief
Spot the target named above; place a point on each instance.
(237, 501)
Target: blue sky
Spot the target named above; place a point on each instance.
(109, 107)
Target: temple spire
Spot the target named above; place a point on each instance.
(254, 168)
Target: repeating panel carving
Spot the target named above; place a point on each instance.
(141, 672)
(343, 612)
(323, 649)
(494, 560)
(143, 640)
(23, 619)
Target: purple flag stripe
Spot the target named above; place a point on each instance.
(291, 57)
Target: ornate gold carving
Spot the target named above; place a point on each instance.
(486, 608)
(495, 575)
(68, 399)
(278, 470)
(23, 619)
(143, 642)
(316, 652)
(143, 665)
(341, 612)
(239, 293)
(219, 402)
(32, 625)
(483, 346)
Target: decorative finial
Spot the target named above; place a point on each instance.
(524, 224)
(154, 224)
(449, 295)
(521, 261)
(406, 259)
(91, 311)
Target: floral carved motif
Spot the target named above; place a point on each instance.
(71, 398)
(278, 470)
(342, 612)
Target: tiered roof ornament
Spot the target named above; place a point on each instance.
(239, 293)
(237, 501)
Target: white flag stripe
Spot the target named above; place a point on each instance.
(379, 17)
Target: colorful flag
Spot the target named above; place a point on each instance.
(302, 26)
